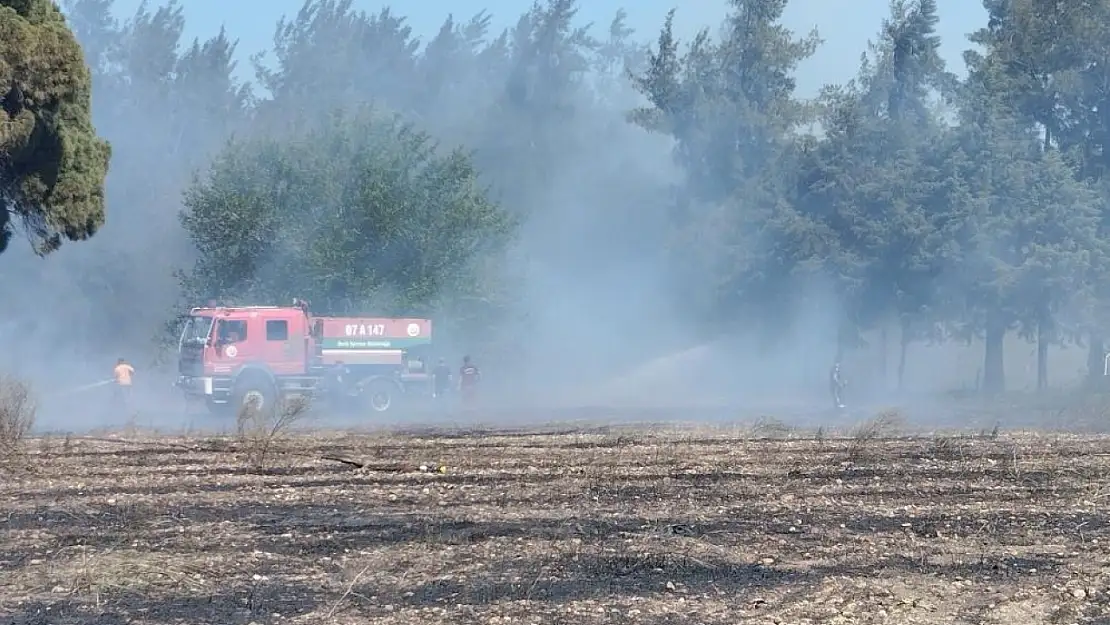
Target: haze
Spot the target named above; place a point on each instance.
(604, 323)
(844, 28)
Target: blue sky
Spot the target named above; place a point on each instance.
(845, 25)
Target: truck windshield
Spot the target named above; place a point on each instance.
(196, 330)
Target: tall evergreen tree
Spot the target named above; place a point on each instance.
(731, 109)
(52, 162)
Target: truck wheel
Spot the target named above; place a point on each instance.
(257, 391)
(379, 395)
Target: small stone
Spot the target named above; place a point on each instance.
(1079, 593)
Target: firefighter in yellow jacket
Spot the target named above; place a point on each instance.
(122, 374)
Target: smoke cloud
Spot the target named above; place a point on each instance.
(603, 315)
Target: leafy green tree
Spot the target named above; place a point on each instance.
(728, 104)
(52, 163)
(993, 224)
(357, 213)
(1031, 237)
(1034, 63)
(1036, 51)
(329, 51)
(874, 183)
(618, 54)
(461, 75)
(165, 110)
(97, 30)
(730, 107)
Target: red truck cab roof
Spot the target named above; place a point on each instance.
(268, 311)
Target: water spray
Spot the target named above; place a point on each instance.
(86, 387)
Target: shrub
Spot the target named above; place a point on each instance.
(260, 430)
(17, 417)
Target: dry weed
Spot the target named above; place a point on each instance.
(260, 431)
(17, 417)
(770, 427)
(947, 448)
(883, 425)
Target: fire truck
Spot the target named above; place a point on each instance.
(229, 356)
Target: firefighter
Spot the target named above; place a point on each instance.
(468, 380)
(336, 381)
(836, 385)
(441, 379)
(122, 374)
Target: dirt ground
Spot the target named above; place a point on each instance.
(663, 524)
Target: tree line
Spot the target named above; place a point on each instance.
(362, 165)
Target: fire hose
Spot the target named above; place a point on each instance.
(86, 387)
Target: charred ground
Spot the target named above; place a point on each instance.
(663, 524)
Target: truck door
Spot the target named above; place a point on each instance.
(233, 345)
(285, 345)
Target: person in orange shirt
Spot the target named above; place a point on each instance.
(123, 374)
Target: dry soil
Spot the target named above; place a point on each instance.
(636, 525)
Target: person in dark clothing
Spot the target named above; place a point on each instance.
(468, 380)
(441, 379)
(836, 385)
(336, 381)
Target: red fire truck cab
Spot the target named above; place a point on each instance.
(229, 356)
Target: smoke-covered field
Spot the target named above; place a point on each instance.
(662, 524)
(657, 242)
(705, 250)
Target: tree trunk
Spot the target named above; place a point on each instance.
(903, 348)
(994, 372)
(1096, 363)
(883, 358)
(1044, 331)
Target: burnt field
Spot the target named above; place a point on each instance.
(757, 524)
